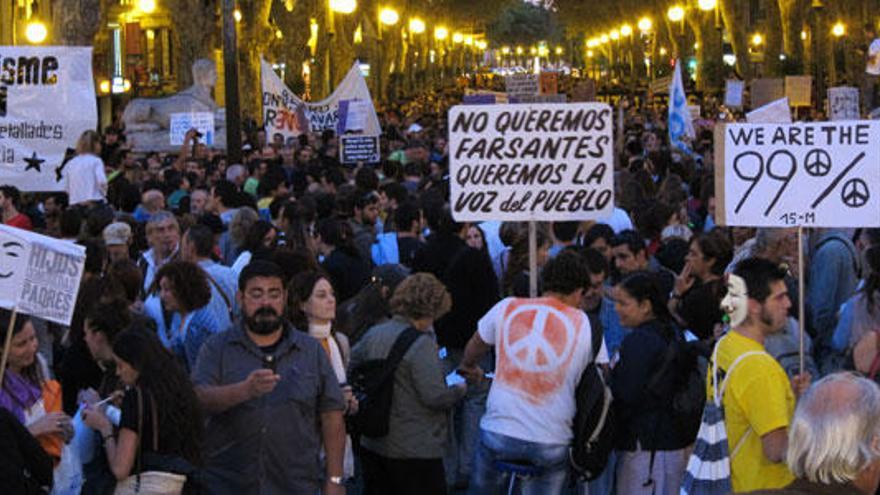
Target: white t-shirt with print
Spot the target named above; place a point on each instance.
(873, 66)
(541, 349)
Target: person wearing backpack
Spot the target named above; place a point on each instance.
(758, 398)
(651, 441)
(409, 458)
(542, 346)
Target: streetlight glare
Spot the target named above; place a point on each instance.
(706, 5)
(757, 39)
(416, 25)
(559, 50)
(519, 50)
(389, 17)
(236, 14)
(645, 24)
(626, 30)
(457, 38)
(614, 35)
(675, 13)
(838, 30)
(604, 39)
(343, 6)
(441, 33)
(505, 50)
(36, 32)
(147, 6)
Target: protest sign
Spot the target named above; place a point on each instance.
(843, 103)
(806, 174)
(521, 84)
(764, 91)
(47, 100)
(354, 148)
(660, 86)
(584, 91)
(733, 93)
(531, 162)
(549, 82)
(799, 90)
(353, 115)
(483, 97)
(557, 98)
(777, 112)
(39, 275)
(286, 114)
(182, 122)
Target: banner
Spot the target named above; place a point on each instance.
(680, 123)
(843, 103)
(286, 114)
(183, 122)
(47, 100)
(521, 84)
(823, 174)
(531, 162)
(39, 275)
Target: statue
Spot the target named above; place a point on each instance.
(147, 120)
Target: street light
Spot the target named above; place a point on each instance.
(441, 33)
(675, 13)
(147, 6)
(757, 39)
(416, 25)
(343, 6)
(559, 50)
(603, 39)
(707, 5)
(457, 38)
(614, 35)
(389, 17)
(645, 24)
(236, 14)
(36, 32)
(838, 30)
(626, 30)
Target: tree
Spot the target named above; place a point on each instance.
(76, 22)
(196, 27)
(524, 23)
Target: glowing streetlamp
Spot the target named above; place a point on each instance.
(614, 35)
(505, 50)
(559, 50)
(675, 13)
(457, 38)
(707, 5)
(389, 17)
(441, 33)
(147, 6)
(343, 6)
(604, 39)
(645, 24)
(757, 39)
(519, 50)
(36, 32)
(838, 30)
(469, 40)
(416, 25)
(626, 30)
(236, 14)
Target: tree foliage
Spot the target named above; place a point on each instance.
(523, 22)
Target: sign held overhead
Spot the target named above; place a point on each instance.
(531, 162)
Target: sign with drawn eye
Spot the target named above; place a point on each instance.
(823, 174)
(39, 275)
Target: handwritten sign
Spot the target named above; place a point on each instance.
(799, 90)
(200, 121)
(660, 86)
(531, 162)
(843, 103)
(809, 174)
(521, 84)
(733, 93)
(354, 149)
(764, 91)
(39, 275)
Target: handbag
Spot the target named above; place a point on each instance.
(149, 482)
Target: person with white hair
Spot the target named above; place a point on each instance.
(237, 174)
(834, 439)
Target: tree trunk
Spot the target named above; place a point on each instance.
(195, 25)
(292, 48)
(75, 22)
(792, 14)
(731, 11)
(772, 41)
(709, 51)
(255, 36)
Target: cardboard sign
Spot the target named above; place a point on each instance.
(354, 148)
(39, 275)
(549, 83)
(806, 174)
(660, 86)
(799, 90)
(733, 93)
(531, 162)
(777, 112)
(47, 100)
(183, 122)
(843, 103)
(764, 91)
(521, 84)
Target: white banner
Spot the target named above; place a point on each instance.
(820, 174)
(183, 122)
(47, 100)
(286, 114)
(531, 162)
(40, 275)
(521, 85)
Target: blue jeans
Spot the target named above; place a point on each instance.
(464, 421)
(486, 480)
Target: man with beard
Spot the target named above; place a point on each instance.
(759, 399)
(271, 398)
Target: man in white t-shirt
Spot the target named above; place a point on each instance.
(542, 347)
(872, 69)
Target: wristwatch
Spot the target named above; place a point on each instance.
(336, 480)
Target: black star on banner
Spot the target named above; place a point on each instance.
(69, 153)
(33, 162)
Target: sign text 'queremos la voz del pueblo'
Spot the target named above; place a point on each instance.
(822, 174)
(531, 162)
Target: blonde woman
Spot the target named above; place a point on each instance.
(85, 179)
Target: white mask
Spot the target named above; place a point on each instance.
(736, 303)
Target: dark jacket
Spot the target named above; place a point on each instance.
(26, 466)
(804, 487)
(471, 282)
(348, 273)
(645, 415)
(437, 254)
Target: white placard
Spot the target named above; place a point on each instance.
(40, 275)
(733, 93)
(358, 113)
(531, 162)
(777, 112)
(799, 90)
(183, 122)
(47, 100)
(818, 174)
(843, 103)
(522, 84)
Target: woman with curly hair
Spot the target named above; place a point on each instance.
(410, 458)
(185, 292)
(160, 427)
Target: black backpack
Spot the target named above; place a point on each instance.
(373, 385)
(593, 424)
(689, 391)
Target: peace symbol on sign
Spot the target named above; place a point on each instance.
(818, 163)
(854, 193)
(535, 350)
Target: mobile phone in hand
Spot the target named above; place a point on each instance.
(269, 362)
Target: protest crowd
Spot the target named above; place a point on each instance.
(294, 325)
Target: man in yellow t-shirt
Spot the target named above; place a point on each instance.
(759, 400)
